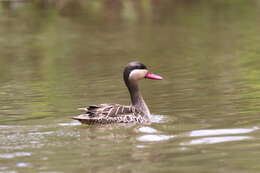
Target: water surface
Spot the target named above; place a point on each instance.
(56, 56)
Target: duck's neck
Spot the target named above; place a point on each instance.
(137, 99)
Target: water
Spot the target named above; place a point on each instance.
(56, 56)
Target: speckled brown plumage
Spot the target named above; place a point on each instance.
(111, 113)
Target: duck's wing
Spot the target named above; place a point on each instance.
(110, 113)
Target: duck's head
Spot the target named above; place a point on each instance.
(136, 71)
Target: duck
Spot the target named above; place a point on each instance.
(137, 113)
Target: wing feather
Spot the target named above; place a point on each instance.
(109, 113)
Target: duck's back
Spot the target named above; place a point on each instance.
(111, 113)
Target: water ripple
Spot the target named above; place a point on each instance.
(147, 130)
(13, 155)
(23, 165)
(213, 132)
(214, 140)
(154, 138)
(73, 123)
(156, 118)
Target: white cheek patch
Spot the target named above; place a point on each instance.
(137, 74)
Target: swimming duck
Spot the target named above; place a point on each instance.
(138, 112)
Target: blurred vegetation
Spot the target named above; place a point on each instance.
(44, 43)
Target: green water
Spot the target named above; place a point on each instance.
(56, 56)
